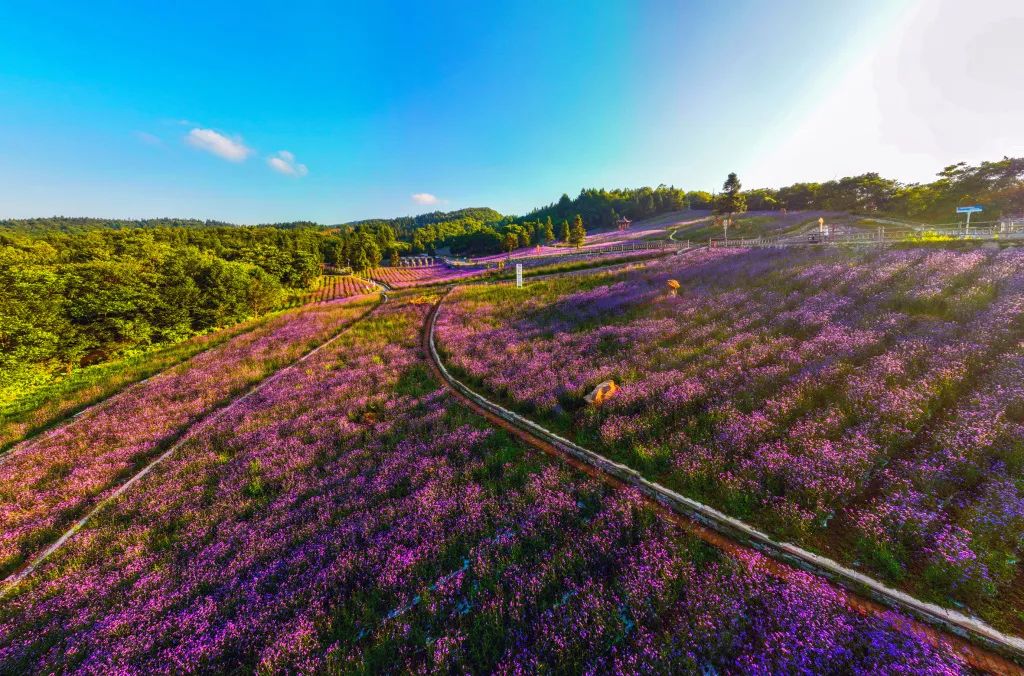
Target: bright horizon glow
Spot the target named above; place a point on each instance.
(326, 114)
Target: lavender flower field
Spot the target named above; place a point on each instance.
(354, 517)
(20, 419)
(524, 339)
(49, 481)
(867, 405)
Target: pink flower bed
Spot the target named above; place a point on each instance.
(401, 278)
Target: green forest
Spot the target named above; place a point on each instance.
(998, 186)
(72, 298)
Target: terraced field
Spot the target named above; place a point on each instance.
(333, 287)
(401, 278)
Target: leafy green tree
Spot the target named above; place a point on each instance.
(698, 200)
(32, 323)
(358, 259)
(511, 241)
(263, 292)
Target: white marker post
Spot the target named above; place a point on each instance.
(519, 275)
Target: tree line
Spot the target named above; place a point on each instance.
(601, 208)
(998, 186)
(74, 297)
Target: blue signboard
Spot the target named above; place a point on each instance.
(967, 210)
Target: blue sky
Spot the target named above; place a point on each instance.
(335, 111)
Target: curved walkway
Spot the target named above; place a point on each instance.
(982, 646)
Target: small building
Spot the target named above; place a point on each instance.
(623, 223)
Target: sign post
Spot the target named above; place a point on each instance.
(519, 275)
(968, 211)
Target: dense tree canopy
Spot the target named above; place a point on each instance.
(71, 297)
(602, 208)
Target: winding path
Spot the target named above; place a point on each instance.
(981, 646)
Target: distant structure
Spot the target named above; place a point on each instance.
(420, 261)
(623, 223)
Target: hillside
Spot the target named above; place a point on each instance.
(863, 403)
(406, 225)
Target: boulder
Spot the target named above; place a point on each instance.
(601, 393)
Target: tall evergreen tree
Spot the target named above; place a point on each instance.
(549, 231)
(577, 234)
(565, 231)
(731, 200)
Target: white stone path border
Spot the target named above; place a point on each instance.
(950, 621)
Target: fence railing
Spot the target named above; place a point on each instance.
(1002, 232)
(571, 254)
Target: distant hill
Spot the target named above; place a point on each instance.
(40, 226)
(406, 225)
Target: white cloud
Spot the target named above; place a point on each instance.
(284, 162)
(148, 139)
(425, 198)
(230, 149)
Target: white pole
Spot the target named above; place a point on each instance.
(519, 275)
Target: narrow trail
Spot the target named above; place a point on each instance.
(11, 582)
(979, 645)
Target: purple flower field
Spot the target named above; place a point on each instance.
(353, 517)
(52, 480)
(869, 405)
